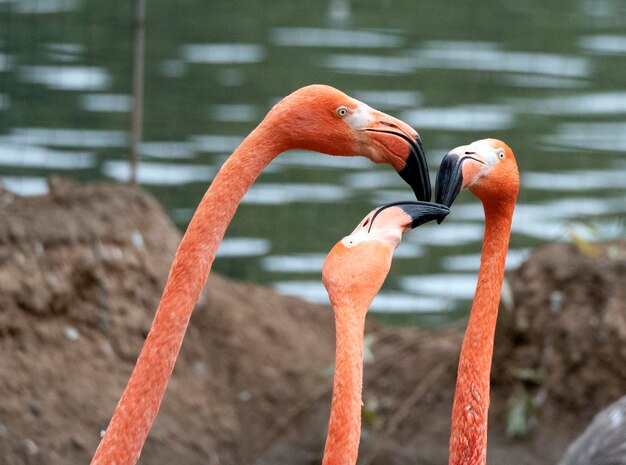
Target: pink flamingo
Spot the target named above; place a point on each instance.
(353, 273)
(318, 118)
(488, 169)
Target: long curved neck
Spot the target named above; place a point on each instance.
(344, 427)
(468, 441)
(136, 410)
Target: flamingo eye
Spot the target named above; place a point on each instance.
(342, 111)
(501, 155)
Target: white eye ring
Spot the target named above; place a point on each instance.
(501, 155)
(342, 111)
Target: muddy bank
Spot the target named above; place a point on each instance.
(563, 341)
(81, 272)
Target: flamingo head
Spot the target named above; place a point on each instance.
(486, 167)
(357, 266)
(323, 119)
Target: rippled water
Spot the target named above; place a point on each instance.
(548, 78)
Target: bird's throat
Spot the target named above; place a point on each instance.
(344, 428)
(140, 402)
(468, 441)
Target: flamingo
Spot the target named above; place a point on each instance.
(353, 273)
(318, 118)
(488, 169)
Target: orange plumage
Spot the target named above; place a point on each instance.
(489, 171)
(307, 119)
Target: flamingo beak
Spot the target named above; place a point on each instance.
(423, 212)
(449, 179)
(411, 167)
(415, 171)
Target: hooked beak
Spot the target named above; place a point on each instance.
(450, 176)
(411, 167)
(423, 212)
(415, 171)
(449, 179)
(418, 212)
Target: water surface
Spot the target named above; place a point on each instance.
(548, 78)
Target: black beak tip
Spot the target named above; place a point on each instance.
(449, 179)
(423, 212)
(444, 212)
(415, 171)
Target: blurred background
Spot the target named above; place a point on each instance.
(547, 77)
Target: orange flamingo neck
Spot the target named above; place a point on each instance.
(140, 402)
(468, 440)
(344, 427)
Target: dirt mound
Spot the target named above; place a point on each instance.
(565, 338)
(81, 273)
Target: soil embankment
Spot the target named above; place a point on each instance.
(81, 272)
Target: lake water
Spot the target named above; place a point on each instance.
(547, 77)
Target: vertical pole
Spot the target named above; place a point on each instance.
(138, 78)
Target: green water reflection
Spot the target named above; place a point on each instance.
(547, 77)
